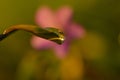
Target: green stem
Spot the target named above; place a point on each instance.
(49, 33)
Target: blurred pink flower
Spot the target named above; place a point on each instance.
(61, 19)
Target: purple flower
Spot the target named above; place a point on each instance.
(61, 19)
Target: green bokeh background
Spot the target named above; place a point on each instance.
(100, 49)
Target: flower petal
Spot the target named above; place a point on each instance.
(75, 31)
(39, 43)
(45, 17)
(61, 50)
(64, 15)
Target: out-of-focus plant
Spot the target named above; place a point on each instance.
(70, 65)
(61, 19)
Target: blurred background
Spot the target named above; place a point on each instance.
(94, 57)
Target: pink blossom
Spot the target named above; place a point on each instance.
(61, 19)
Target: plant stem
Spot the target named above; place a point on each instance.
(49, 33)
